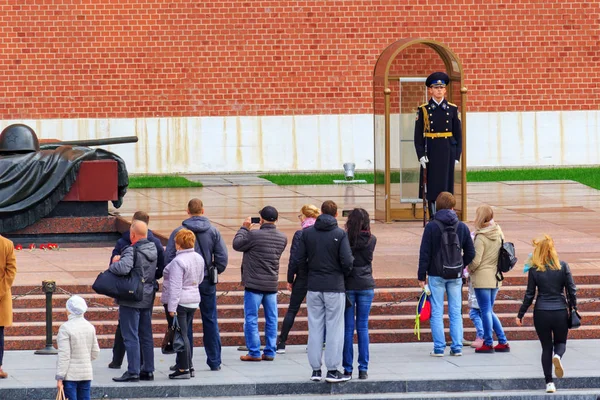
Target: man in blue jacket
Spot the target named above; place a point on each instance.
(211, 246)
(430, 266)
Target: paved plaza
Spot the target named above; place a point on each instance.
(393, 368)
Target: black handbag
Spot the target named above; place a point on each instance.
(574, 321)
(166, 347)
(127, 288)
(178, 342)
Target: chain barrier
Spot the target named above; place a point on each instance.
(392, 303)
(281, 292)
(116, 307)
(36, 289)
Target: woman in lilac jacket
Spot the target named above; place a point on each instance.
(180, 295)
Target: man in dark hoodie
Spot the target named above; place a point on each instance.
(122, 244)
(211, 246)
(430, 266)
(324, 255)
(135, 317)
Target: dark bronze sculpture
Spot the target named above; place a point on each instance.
(34, 178)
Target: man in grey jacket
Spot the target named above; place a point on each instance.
(135, 317)
(260, 276)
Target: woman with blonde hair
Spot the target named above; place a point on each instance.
(296, 281)
(482, 270)
(550, 277)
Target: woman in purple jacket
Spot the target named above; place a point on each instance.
(180, 295)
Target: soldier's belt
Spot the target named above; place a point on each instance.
(444, 135)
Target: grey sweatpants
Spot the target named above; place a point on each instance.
(325, 310)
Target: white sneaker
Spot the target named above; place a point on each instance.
(434, 354)
(558, 368)
(550, 388)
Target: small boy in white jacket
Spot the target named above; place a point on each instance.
(77, 347)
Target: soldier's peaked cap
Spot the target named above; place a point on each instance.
(437, 78)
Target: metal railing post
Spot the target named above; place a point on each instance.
(48, 287)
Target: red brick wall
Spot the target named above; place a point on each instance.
(142, 58)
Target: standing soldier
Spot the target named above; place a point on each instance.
(438, 140)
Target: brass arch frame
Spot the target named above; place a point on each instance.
(381, 77)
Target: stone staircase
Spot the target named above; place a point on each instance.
(392, 314)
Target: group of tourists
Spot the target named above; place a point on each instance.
(550, 278)
(328, 265)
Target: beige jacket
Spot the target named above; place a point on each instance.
(483, 267)
(77, 347)
(8, 271)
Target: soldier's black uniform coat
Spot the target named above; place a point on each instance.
(441, 152)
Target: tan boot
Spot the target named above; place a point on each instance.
(3, 375)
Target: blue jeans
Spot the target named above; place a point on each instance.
(210, 325)
(475, 315)
(77, 390)
(361, 302)
(491, 323)
(252, 302)
(136, 328)
(453, 287)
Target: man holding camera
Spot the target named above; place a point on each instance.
(262, 250)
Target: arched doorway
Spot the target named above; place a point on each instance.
(398, 89)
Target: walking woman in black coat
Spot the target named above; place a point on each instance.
(550, 278)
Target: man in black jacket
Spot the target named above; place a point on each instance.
(325, 255)
(211, 246)
(260, 276)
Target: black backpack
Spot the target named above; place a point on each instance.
(450, 255)
(506, 259)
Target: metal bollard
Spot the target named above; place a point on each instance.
(48, 287)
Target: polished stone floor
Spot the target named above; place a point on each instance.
(568, 211)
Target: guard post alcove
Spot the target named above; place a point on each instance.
(398, 89)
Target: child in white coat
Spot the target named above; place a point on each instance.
(77, 347)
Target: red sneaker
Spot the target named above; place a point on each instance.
(484, 349)
(502, 348)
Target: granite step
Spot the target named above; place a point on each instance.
(392, 313)
(376, 323)
(237, 310)
(514, 278)
(300, 337)
(516, 293)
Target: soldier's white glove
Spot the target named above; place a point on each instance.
(456, 162)
(424, 160)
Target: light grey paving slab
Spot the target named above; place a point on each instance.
(393, 367)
